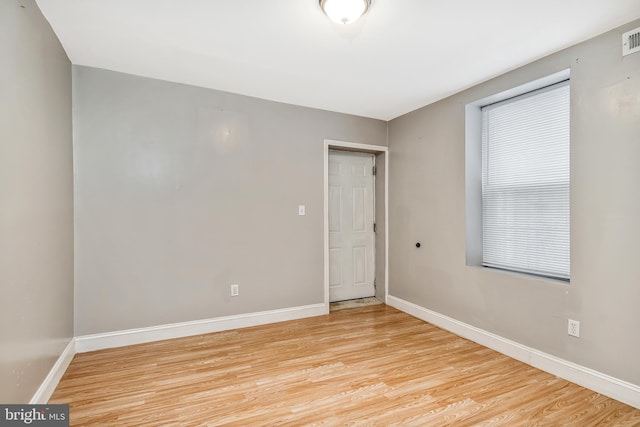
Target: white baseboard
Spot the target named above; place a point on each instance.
(177, 330)
(622, 391)
(50, 383)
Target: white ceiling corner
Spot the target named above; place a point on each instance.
(401, 55)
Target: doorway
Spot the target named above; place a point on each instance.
(361, 264)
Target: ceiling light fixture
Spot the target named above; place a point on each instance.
(344, 11)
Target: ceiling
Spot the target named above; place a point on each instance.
(402, 55)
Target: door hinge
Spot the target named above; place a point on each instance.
(374, 227)
(374, 284)
(373, 170)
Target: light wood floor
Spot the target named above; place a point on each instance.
(364, 366)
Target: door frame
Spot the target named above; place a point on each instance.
(330, 144)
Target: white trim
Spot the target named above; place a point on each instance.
(615, 388)
(177, 330)
(386, 222)
(48, 386)
(354, 146)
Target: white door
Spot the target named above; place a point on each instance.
(351, 234)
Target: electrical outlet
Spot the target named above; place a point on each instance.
(574, 328)
(234, 290)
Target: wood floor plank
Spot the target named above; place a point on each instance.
(372, 365)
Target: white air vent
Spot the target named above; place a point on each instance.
(631, 42)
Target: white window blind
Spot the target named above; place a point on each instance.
(525, 183)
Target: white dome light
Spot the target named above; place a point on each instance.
(344, 11)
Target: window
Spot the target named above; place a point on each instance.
(525, 183)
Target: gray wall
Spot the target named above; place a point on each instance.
(181, 191)
(427, 204)
(36, 204)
